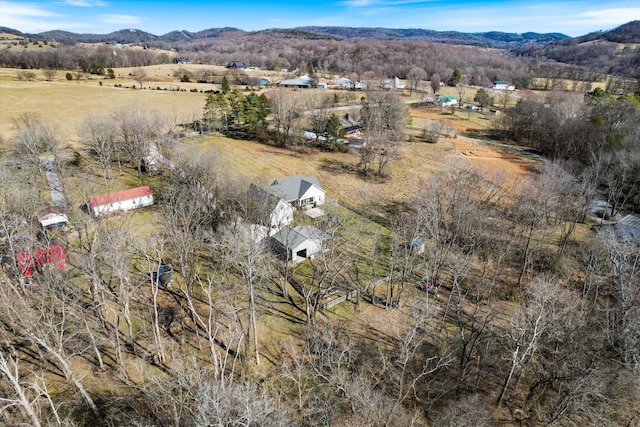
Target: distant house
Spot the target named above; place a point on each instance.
(302, 82)
(393, 83)
(183, 60)
(124, 200)
(299, 243)
(237, 64)
(280, 212)
(298, 191)
(446, 100)
(350, 126)
(342, 82)
(502, 85)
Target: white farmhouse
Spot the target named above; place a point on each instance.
(124, 200)
(393, 83)
(502, 85)
(274, 212)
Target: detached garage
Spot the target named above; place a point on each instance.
(299, 243)
(120, 201)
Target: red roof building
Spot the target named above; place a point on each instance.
(124, 200)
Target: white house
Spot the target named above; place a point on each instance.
(280, 212)
(299, 243)
(298, 191)
(124, 200)
(394, 83)
(502, 85)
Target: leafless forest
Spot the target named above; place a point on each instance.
(477, 301)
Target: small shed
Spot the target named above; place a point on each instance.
(417, 246)
(125, 200)
(53, 220)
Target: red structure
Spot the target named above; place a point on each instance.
(28, 262)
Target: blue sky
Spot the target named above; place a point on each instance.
(159, 17)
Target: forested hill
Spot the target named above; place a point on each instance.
(612, 52)
(491, 38)
(133, 36)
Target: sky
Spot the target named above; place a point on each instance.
(573, 18)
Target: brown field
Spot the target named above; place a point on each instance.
(68, 102)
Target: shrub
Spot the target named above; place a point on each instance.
(69, 76)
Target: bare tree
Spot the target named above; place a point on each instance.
(140, 76)
(49, 74)
(415, 76)
(383, 116)
(317, 109)
(137, 128)
(244, 247)
(461, 88)
(504, 96)
(35, 137)
(545, 305)
(50, 321)
(285, 110)
(100, 134)
(27, 403)
(435, 83)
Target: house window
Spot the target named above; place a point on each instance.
(306, 202)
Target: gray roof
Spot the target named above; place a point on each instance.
(291, 188)
(263, 197)
(289, 237)
(300, 81)
(629, 228)
(292, 237)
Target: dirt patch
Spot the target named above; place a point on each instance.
(510, 164)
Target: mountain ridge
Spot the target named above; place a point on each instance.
(131, 35)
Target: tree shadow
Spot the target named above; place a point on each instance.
(339, 167)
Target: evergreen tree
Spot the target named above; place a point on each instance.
(216, 111)
(225, 85)
(254, 111)
(335, 132)
(455, 77)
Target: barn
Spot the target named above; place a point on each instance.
(120, 201)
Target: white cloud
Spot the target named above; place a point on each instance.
(120, 19)
(10, 10)
(84, 3)
(361, 3)
(612, 16)
(25, 17)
